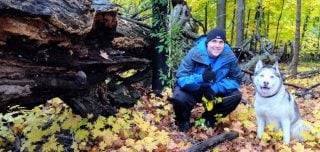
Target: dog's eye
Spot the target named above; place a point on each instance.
(261, 75)
(272, 76)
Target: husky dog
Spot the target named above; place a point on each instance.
(274, 104)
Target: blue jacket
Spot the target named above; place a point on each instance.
(226, 67)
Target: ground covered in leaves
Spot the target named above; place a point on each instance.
(149, 126)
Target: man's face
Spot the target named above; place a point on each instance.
(215, 47)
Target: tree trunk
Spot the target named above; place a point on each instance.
(247, 25)
(305, 24)
(240, 23)
(295, 59)
(159, 25)
(278, 24)
(221, 14)
(233, 24)
(318, 22)
(205, 30)
(76, 50)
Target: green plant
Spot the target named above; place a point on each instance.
(200, 122)
(175, 47)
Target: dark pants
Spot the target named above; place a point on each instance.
(183, 102)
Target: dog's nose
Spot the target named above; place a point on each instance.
(265, 83)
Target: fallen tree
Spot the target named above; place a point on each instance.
(76, 50)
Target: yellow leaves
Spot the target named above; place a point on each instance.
(278, 135)
(96, 132)
(110, 121)
(144, 126)
(163, 137)
(52, 145)
(56, 100)
(125, 149)
(108, 138)
(104, 144)
(81, 134)
(54, 127)
(270, 133)
(307, 135)
(167, 92)
(226, 129)
(148, 143)
(270, 127)
(35, 136)
(66, 114)
(116, 128)
(265, 136)
(306, 82)
(128, 73)
(101, 122)
(71, 123)
(27, 145)
(284, 148)
(208, 103)
(298, 147)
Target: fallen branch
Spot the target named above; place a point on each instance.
(308, 74)
(248, 72)
(213, 141)
(313, 86)
(295, 86)
(135, 21)
(304, 88)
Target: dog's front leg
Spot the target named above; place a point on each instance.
(261, 125)
(286, 126)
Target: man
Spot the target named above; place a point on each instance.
(210, 69)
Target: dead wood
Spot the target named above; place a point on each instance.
(213, 141)
(69, 51)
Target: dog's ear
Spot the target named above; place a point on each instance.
(259, 66)
(276, 66)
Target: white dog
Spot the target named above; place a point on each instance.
(274, 104)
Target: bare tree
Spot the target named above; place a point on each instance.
(305, 25)
(295, 59)
(233, 23)
(240, 23)
(221, 14)
(277, 33)
(318, 21)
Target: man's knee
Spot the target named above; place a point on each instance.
(229, 103)
(236, 96)
(179, 97)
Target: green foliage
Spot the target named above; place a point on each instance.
(271, 13)
(200, 122)
(175, 46)
(133, 7)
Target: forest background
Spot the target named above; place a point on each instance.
(277, 23)
(149, 124)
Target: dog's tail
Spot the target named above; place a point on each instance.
(299, 129)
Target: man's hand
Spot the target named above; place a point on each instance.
(209, 76)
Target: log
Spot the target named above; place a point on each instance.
(69, 51)
(213, 141)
